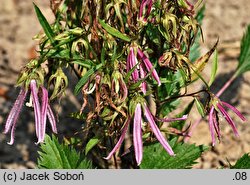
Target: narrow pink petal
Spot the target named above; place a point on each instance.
(184, 117)
(211, 125)
(143, 84)
(45, 100)
(15, 111)
(137, 134)
(157, 131)
(228, 118)
(52, 119)
(150, 4)
(142, 6)
(121, 139)
(189, 4)
(149, 66)
(190, 132)
(37, 109)
(133, 63)
(216, 126)
(235, 110)
(12, 134)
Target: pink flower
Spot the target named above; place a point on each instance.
(144, 3)
(213, 119)
(41, 112)
(139, 71)
(132, 62)
(137, 133)
(149, 66)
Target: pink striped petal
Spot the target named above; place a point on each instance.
(118, 144)
(137, 134)
(150, 4)
(133, 62)
(37, 108)
(211, 125)
(143, 5)
(44, 113)
(149, 66)
(15, 111)
(52, 119)
(228, 119)
(14, 114)
(157, 132)
(235, 110)
(216, 125)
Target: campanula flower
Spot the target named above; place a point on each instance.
(139, 72)
(137, 132)
(143, 12)
(219, 107)
(41, 111)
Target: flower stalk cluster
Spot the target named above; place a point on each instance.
(131, 59)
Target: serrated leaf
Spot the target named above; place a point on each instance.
(44, 23)
(244, 60)
(156, 157)
(92, 142)
(242, 163)
(168, 90)
(85, 78)
(214, 68)
(200, 107)
(54, 155)
(114, 31)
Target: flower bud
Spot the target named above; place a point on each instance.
(60, 81)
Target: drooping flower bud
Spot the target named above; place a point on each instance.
(60, 82)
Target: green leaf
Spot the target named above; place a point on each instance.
(85, 78)
(78, 115)
(242, 163)
(195, 49)
(214, 68)
(156, 157)
(201, 14)
(244, 60)
(153, 33)
(200, 107)
(114, 31)
(92, 142)
(44, 23)
(168, 90)
(54, 155)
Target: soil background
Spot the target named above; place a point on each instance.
(224, 19)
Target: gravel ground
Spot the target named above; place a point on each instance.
(226, 19)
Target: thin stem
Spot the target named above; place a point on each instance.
(179, 96)
(112, 146)
(226, 85)
(190, 132)
(218, 94)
